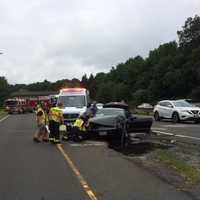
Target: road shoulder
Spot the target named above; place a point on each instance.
(112, 176)
(3, 117)
(178, 165)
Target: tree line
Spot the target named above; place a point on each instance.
(170, 71)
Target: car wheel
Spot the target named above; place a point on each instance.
(156, 116)
(175, 117)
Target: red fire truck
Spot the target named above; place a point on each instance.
(17, 105)
(34, 101)
(26, 104)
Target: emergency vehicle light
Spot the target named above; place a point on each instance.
(73, 89)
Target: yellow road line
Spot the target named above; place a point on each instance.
(82, 181)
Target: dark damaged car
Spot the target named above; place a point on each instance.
(115, 119)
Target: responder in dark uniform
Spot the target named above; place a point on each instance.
(79, 129)
(93, 109)
(55, 119)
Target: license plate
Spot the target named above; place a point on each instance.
(102, 133)
(196, 116)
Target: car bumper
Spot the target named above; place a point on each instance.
(69, 124)
(189, 117)
(111, 132)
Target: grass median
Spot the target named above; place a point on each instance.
(184, 169)
(3, 113)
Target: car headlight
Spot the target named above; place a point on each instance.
(187, 111)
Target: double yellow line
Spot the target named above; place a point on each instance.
(82, 181)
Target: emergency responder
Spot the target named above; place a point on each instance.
(42, 121)
(93, 108)
(79, 129)
(55, 120)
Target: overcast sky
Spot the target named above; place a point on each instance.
(57, 39)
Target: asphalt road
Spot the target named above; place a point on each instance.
(186, 130)
(88, 171)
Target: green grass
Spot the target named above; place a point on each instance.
(2, 113)
(196, 152)
(183, 168)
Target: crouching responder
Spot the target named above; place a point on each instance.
(55, 120)
(79, 129)
(42, 121)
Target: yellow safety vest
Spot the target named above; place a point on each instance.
(79, 123)
(55, 114)
(43, 118)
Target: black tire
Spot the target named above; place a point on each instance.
(175, 118)
(156, 116)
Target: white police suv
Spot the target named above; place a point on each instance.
(178, 110)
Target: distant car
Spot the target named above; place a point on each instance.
(114, 117)
(178, 110)
(145, 106)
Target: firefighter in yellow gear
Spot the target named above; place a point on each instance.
(55, 120)
(42, 121)
(79, 129)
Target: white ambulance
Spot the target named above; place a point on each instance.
(75, 101)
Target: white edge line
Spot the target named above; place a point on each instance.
(4, 118)
(190, 137)
(164, 133)
(171, 134)
(86, 145)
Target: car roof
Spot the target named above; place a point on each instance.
(172, 101)
(116, 105)
(111, 108)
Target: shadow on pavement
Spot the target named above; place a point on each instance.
(137, 149)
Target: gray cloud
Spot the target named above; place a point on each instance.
(49, 39)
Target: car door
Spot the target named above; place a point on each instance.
(167, 110)
(161, 109)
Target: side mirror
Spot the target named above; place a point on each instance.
(170, 106)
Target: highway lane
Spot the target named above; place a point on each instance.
(41, 171)
(32, 171)
(182, 128)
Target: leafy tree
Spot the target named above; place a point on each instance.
(189, 36)
(3, 89)
(84, 81)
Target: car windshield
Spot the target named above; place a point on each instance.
(72, 101)
(182, 104)
(11, 103)
(110, 111)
